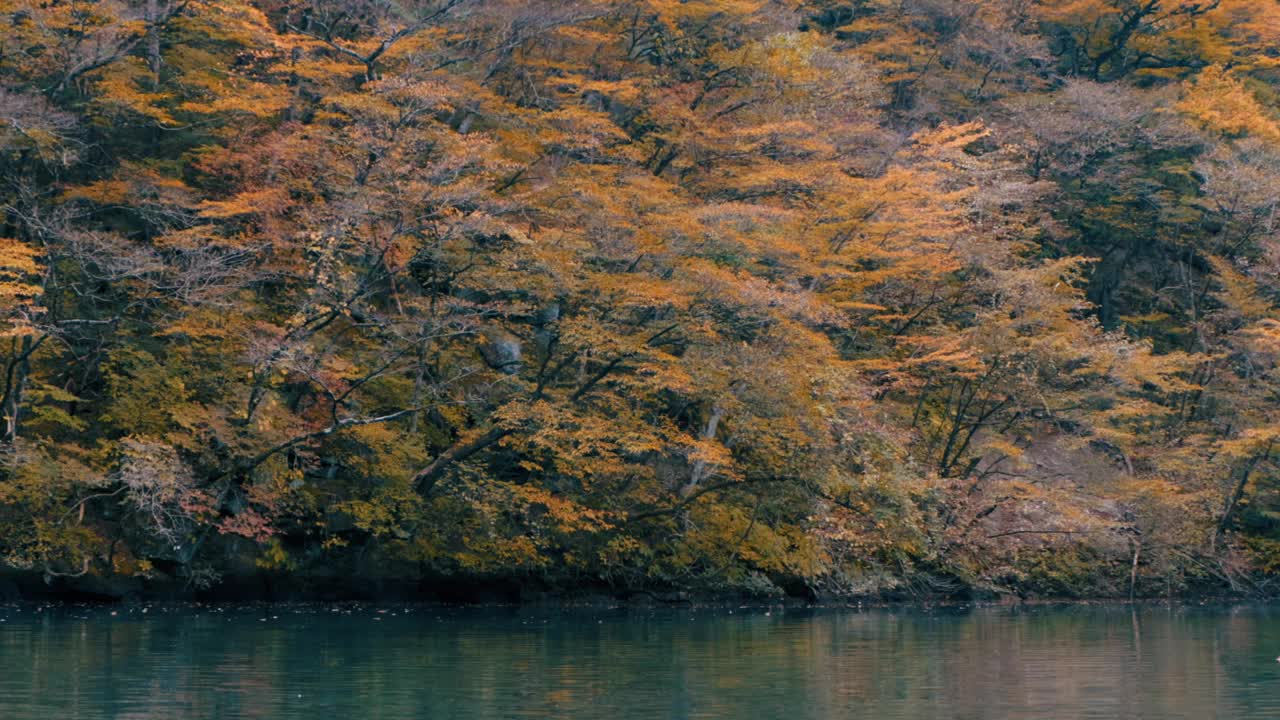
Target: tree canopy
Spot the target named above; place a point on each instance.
(754, 296)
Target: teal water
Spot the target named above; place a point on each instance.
(322, 662)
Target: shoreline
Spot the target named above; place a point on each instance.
(138, 607)
(472, 596)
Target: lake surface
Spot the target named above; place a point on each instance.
(320, 662)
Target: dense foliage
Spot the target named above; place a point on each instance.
(875, 296)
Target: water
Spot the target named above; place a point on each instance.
(322, 662)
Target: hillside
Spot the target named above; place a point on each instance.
(886, 298)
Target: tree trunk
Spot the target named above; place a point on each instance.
(1236, 495)
(1133, 570)
(153, 43)
(699, 471)
(459, 451)
(15, 383)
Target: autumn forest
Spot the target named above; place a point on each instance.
(890, 299)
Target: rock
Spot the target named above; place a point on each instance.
(547, 315)
(501, 350)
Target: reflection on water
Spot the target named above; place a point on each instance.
(320, 662)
